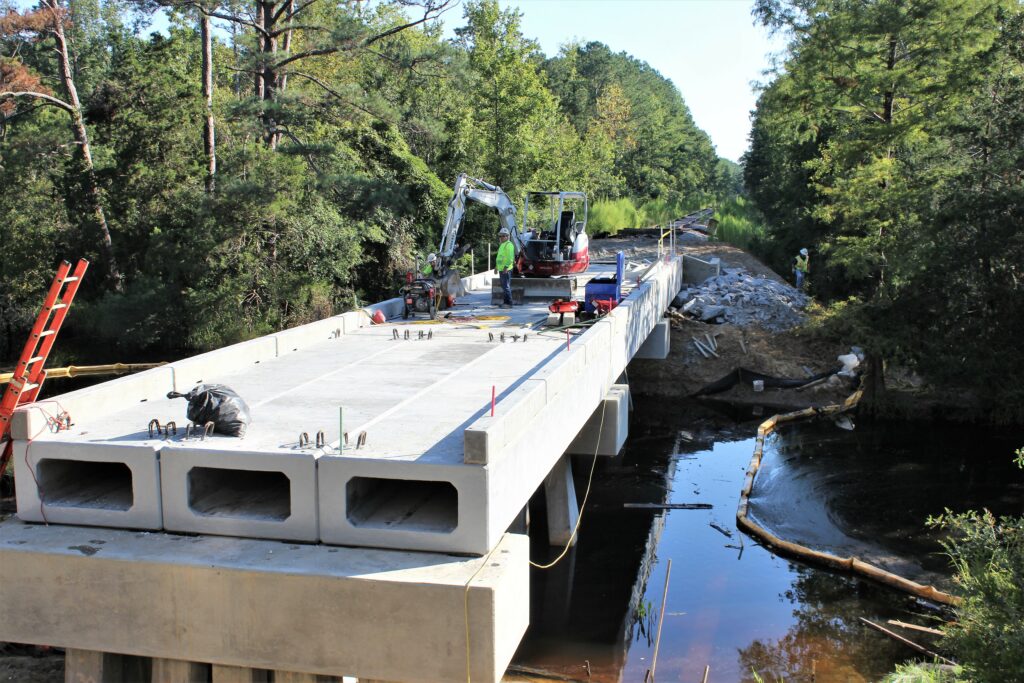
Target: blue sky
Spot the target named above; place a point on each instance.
(710, 49)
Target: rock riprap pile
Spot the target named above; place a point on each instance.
(739, 298)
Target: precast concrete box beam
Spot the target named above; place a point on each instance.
(402, 505)
(373, 614)
(95, 484)
(522, 465)
(207, 368)
(295, 338)
(391, 308)
(32, 420)
(517, 413)
(517, 465)
(601, 353)
(436, 471)
(239, 493)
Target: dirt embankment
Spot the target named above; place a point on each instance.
(788, 354)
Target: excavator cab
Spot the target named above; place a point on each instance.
(554, 234)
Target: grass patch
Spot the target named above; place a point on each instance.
(739, 224)
(609, 216)
(924, 673)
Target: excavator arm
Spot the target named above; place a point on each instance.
(472, 189)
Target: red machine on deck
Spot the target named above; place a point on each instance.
(554, 239)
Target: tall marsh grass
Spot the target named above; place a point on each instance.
(738, 221)
(739, 224)
(608, 216)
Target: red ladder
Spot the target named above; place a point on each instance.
(30, 372)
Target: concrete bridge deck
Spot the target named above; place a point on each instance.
(437, 474)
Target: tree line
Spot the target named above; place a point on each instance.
(891, 143)
(264, 163)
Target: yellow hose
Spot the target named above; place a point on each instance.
(89, 370)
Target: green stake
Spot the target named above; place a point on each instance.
(341, 429)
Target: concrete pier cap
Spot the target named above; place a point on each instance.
(382, 615)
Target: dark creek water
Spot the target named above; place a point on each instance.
(732, 604)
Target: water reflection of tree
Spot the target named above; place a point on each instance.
(645, 622)
(827, 643)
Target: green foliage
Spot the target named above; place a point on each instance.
(891, 146)
(758, 678)
(739, 224)
(328, 179)
(518, 139)
(639, 114)
(924, 673)
(728, 180)
(608, 216)
(660, 211)
(987, 555)
(988, 558)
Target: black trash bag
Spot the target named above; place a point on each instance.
(218, 404)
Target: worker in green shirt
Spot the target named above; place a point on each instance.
(801, 267)
(428, 270)
(503, 264)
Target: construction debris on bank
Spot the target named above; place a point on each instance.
(739, 298)
(753, 319)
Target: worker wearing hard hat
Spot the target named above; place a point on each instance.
(428, 270)
(801, 267)
(503, 264)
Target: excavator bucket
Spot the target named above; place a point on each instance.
(451, 284)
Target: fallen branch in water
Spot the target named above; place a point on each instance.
(915, 627)
(533, 671)
(909, 643)
(668, 506)
(724, 532)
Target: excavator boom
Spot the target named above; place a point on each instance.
(558, 249)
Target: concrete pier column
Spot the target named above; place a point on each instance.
(521, 524)
(93, 666)
(560, 494)
(179, 671)
(239, 674)
(658, 343)
(90, 666)
(606, 431)
(558, 585)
